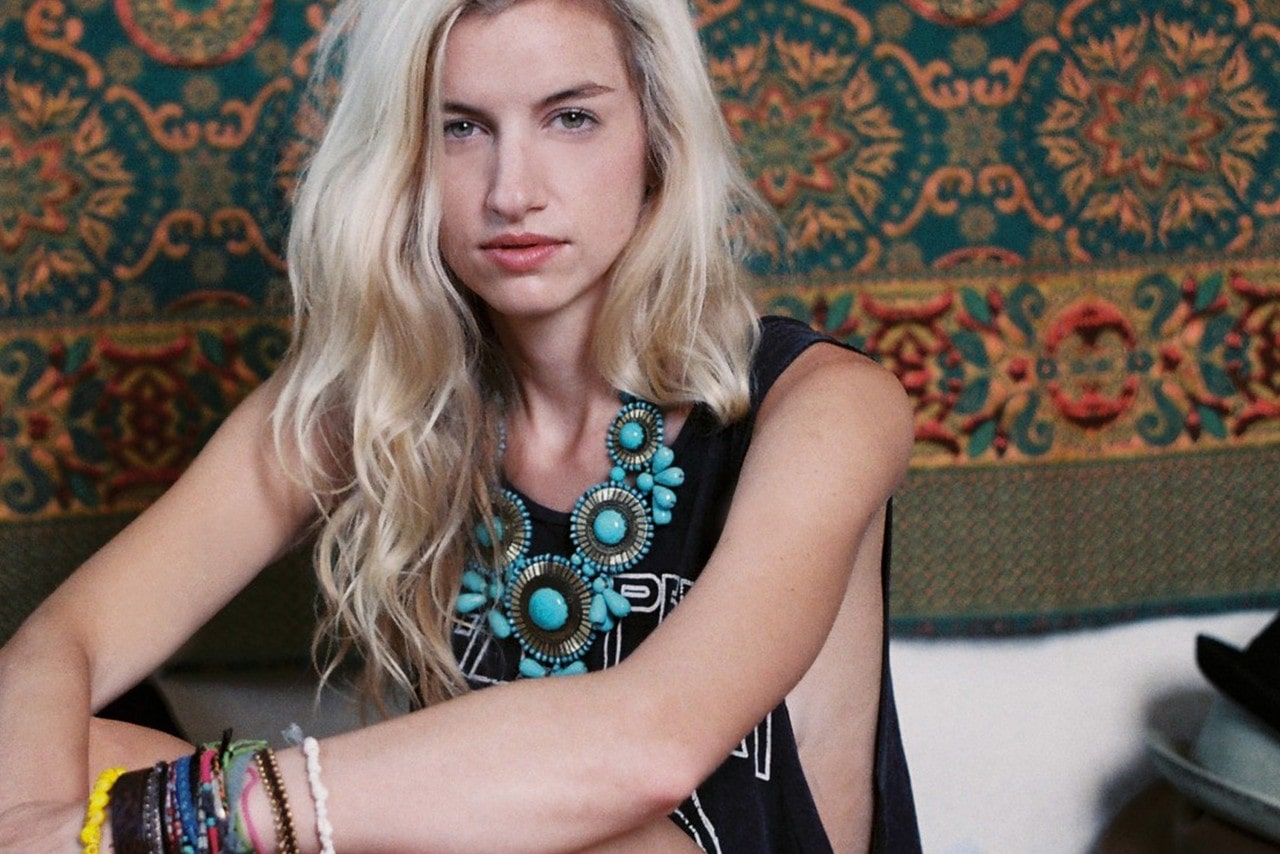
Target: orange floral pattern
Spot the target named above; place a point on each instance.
(1056, 222)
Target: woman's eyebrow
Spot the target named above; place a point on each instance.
(572, 93)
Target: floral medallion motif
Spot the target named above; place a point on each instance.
(194, 34)
(816, 133)
(1155, 127)
(1159, 135)
(787, 146)
(33, 185)
(64, 190)
(965, 12)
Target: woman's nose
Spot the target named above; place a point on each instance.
(516, 185)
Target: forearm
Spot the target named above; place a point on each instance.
(530, 767)
(44, 718)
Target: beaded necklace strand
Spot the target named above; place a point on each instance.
(555, 606)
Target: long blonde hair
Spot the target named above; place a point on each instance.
(392, 386)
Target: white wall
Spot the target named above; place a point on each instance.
(1032, 745)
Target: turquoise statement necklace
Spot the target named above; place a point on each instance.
(556, 606)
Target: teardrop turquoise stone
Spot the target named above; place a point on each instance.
(468, 602)
(609, 526)
(663, 497)
(548, 610)
(500, 625)
(619, 605)
(673, 476)
(662, 458)
(531, 669)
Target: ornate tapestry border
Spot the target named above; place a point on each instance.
(998, 549)
(101, 417)
(1034, 366)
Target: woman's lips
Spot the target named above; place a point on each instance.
(522, 254)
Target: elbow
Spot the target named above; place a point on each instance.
(668, 765)
(668, 782)
(44, 640)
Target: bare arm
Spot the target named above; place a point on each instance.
(563, 764)
(131, 605)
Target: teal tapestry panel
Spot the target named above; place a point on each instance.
(1055, 222)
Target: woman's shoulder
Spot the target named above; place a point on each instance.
(811, 381)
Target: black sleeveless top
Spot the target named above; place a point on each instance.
(757, 801)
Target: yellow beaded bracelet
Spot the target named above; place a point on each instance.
(95, 812)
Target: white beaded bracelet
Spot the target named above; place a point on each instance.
(319, 794)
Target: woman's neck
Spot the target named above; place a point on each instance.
(563, 407)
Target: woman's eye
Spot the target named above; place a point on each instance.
(459, 129)
(575, 119)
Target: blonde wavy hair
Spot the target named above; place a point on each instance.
(393, 389)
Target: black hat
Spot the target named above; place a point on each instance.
(1250, 678)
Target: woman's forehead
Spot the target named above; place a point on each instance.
(533, 47)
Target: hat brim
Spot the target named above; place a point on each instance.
(1232, 673)
(1252, 811)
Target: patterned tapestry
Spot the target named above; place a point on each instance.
(1056, 222)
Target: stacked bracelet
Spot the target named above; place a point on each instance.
(95, 811)
(197, 804)
(281, 815)
(189, 806)
(319, 794)
(127, 836)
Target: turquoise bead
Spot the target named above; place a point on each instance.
(619, 605)
(469, 602)
(609, 526)
(499, 624)
(673, 476)
(548, 610)
(631, 436)
(545, 614)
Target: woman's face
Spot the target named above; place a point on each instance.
(543, 168)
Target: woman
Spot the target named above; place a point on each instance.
(526, 409)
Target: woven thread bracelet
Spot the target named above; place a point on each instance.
(95, 811)
(235, 760)
(319, 794)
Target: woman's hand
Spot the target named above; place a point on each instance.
(41, 827)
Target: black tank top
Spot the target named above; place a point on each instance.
(757, 801)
